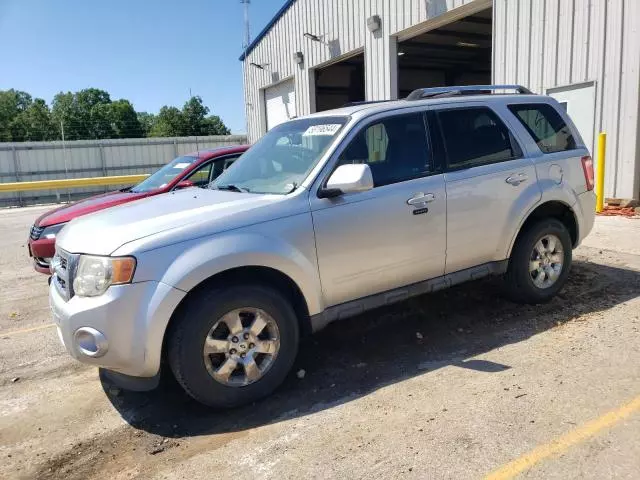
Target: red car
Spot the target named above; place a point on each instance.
(193, 169)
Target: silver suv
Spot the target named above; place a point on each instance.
(326, 217)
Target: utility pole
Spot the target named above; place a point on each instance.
(196, 133)
(245, 47)
(247, 32)
(64, 157)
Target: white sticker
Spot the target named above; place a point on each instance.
(181, 166)
(328, 129)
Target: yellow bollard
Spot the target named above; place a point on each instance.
(602, 146)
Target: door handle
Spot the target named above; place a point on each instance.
(421, 199)
(517, 179)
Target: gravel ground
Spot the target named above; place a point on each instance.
(450, 385)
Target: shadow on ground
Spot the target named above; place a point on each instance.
(355, 357)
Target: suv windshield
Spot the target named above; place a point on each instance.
(165, 175)
(283, 158)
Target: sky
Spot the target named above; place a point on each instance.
(150, 52)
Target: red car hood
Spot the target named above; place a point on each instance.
(66, 213)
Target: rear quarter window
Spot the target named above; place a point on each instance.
(545, 125)
(475, 136)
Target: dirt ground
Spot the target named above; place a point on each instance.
(456, 385)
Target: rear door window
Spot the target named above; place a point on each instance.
(475, 136)
(546, 126)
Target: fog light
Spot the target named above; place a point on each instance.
(90, 342)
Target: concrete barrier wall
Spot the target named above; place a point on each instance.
(30, 161)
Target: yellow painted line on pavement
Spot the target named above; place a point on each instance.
(559, 445)
(27, 330)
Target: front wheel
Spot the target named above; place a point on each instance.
(234, 345)
(539, 263)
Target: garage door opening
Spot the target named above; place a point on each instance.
(458, 53)
(340, 83)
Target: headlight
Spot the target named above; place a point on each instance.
(95, 274)
(52, 231)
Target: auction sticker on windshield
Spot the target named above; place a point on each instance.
(328, 129)
(181, 166)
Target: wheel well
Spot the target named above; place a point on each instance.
(558, 210)
(255, 275)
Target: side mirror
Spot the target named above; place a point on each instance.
(184, 184)
(348, 179)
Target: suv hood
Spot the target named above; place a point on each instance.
(104, 232)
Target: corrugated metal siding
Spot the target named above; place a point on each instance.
(549, 43)
(92, 158)
(342, 25)
(539, 43)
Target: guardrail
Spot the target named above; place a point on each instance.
(71, 183)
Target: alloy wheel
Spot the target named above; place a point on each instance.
(546, 261)
(241, 347)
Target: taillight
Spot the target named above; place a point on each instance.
(587, 167)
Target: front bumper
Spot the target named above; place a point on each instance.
(42, 251)
(121, 330)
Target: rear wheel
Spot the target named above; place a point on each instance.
(539, 263)
(234, 345)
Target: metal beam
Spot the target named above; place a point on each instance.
(440, 68)
(477, 20)
(412, 59)
(461, 35)
(71, 183)
(442, 48)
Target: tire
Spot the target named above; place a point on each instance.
(519, 281)
(194, 369)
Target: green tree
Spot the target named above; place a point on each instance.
(215, 126)
(90, 114)
(94, 113)
(85, 114)
(146, 121)
(33, 124)
(39, 120)
(65, 115)
(12, 103)
(100, 124)
(169, 123)
(196, 121)
(194, 113)
(124, 120)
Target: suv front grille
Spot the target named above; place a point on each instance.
(36, 232)
(63, 266)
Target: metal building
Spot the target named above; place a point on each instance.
(319, 54)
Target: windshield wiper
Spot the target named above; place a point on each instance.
(294, 185)
(232, 188)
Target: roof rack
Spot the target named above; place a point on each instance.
(438, 92)
(364, 102)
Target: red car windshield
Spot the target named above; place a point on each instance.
(165, 175)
